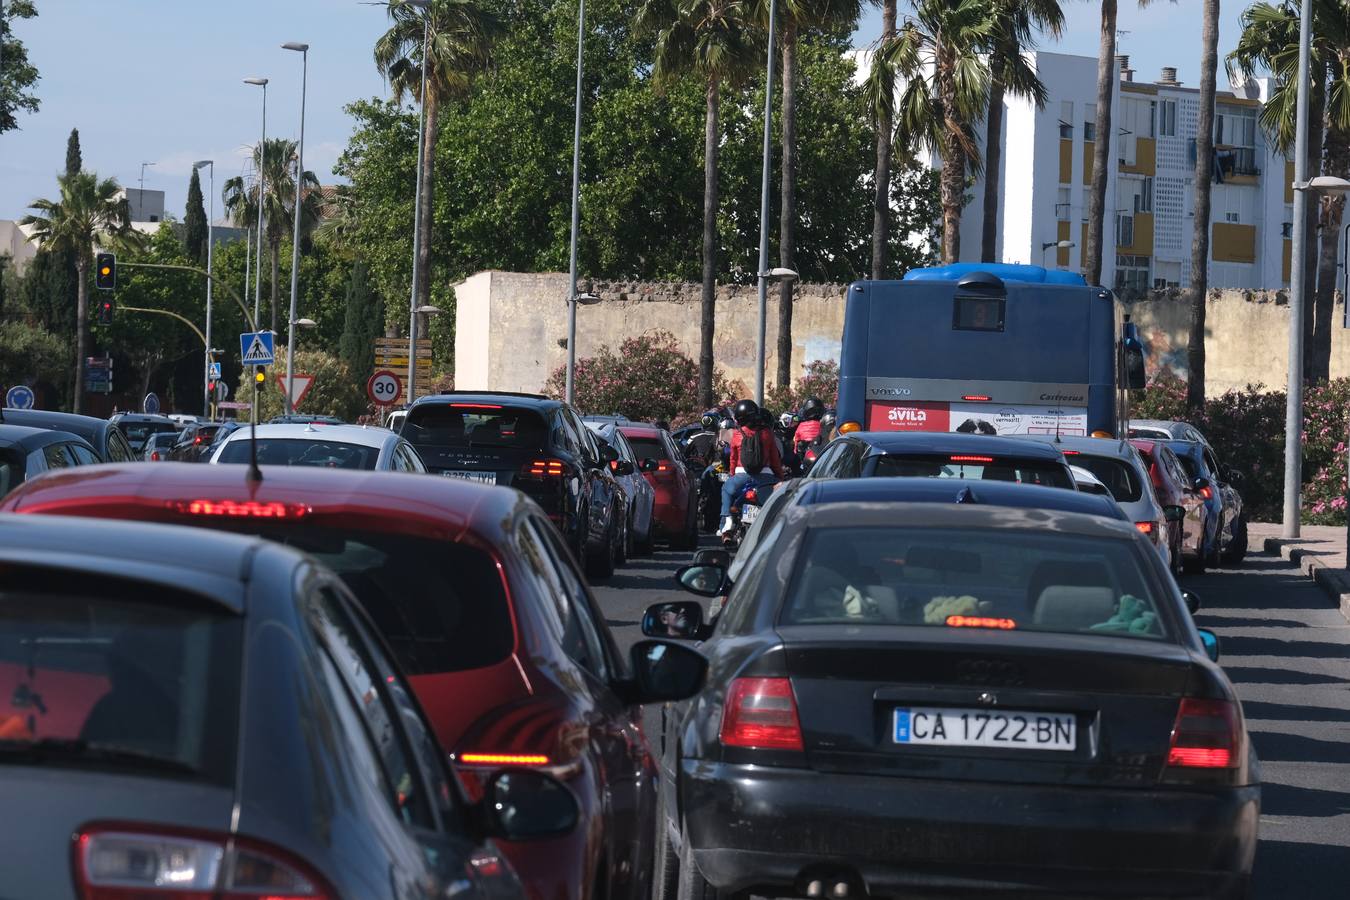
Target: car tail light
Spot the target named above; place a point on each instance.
(544, 468)
(247, 509)
(154, 456)
(1207, 492)
(974, 459)
(1206, 735)
(475, 406)
(1145, 528)
(761, 713)
(981, 622)
(665, 469)
(197, 439)
(503, 759)
(1071, 452)
(127, 862)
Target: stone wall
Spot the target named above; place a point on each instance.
(511, 329)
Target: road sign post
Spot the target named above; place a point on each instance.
(301, 382)
(384, 388)
(150, 405)
(255, 348)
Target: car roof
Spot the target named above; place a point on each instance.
(142, 417)
(414, 504)
(87, 427)
(965, 515)
(215, 565)
(348, 434)
(1076, 444)
(928, 442)
(954, 491)
(538, 401)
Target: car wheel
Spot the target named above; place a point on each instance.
(692, 885)
(600, 564)
(687, 539)
(643, 546)
(666, 868)
(1212, 557)
(1236, 550)
(623, 547)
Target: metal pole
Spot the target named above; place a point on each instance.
(210, 252)
(248, 262)
(1293, 418)
(262, 190)
(417, 209)
(576, 211)
(295, 237)
(764, 216)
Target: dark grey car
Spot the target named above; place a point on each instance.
(190, 714)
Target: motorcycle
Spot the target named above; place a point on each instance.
(710, 494)
(744, 510)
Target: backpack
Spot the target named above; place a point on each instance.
(752, 451)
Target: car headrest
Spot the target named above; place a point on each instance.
(1074, 607)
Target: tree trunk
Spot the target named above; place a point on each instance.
(274, 251)
(423, 287)
(787, 219)
(1101, 150)
(881, 198)
(1316, 136)
(81, 329)
(1332, 208)
(708, 307)
(993, 156)
(952, 182)
(1204, 183)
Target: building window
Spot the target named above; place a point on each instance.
(1132, 272)
(1235, 141)
(1124, 231)
(1287, 229)
(1232, 217)
(1167, 118)
(1066, 119)
(1090, 122)
(1143, 201)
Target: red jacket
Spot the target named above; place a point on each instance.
(807, 431)
(768, 445)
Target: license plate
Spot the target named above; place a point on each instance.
(749, 514)
(985, 728)
(480, 477)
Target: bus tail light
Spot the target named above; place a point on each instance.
(977, 398)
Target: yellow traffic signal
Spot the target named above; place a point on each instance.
(105, 271)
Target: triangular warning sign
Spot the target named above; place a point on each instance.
(257, 352)
(299, 388)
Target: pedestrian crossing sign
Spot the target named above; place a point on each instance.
(255, 348)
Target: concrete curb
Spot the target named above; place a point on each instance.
(1335, 582)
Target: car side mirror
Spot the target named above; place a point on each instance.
(1192, 601)
(1136, 378)
(712, 557)
(1211, 642)
(705, 580)
(607, 453)
(650, 464)
(677, 619)
(522, 805)
(1174, 513)
(664, 671)
(621, 467)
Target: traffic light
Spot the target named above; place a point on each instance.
(105, 271)
(105, 311)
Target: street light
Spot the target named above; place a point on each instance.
(576, 214)
(429, 310)
(425, 7)
(764, 213)
(303, 50)
(1062, 245)
(777, 273)
(210, 247)
(262, 184)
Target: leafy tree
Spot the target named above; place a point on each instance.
(17, 74)
(74, 158)
(194, 222)
(88, 211)
(820, 381)
(458, 39)
(29, 355)
(362, 324)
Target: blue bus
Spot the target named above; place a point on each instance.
(985, 348)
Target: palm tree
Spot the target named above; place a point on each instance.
(881, 97)
(89, 212)
(1015, 24)
(459, 36)
(715, 40)
(937, 53)
(241, 203)
(1269, 41)
(1204, 182)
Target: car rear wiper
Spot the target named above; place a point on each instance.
(74, 750)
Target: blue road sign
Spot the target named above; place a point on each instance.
(214, 371)
(255, 348)
(150, 405)
(19, 397)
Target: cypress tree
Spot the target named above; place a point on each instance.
(74, 159)
(364, 322)
(194, 222)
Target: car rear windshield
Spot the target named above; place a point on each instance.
(475, 425)
(975, 467)
(647, 447)
(1187, 463)
(990, 579)
(300, 452)
(139, 432)
(1120, 477)
(111, 674)
(440, 605)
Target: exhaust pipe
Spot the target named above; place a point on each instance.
(815, 889)
(840, 890)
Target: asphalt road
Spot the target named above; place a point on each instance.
(1288, 652)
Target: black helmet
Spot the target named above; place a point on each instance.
(746, 412)
(709, 421)
(812, 409)
(827, 420)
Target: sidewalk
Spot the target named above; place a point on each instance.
(1319, 552)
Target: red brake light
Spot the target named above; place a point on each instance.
(1207, 492)
(1206, 735)
(544, 468)
(761, 713)
(751, 496)
(980, 622)
(1071, 452)
(975, 459)
(123, 861)
(247, 509)
(503, 759)
(1144, 527)
(977, 398)
(154, 456)
(664, 469)
(197, 439)
(475, 406)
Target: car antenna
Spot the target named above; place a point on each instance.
(966, 495)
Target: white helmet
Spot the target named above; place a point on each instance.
(786, 419)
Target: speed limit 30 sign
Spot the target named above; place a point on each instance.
(384, 388)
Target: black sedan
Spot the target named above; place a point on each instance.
(942, 455)
(186, 714)
(908, 699)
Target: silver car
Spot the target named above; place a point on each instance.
(641, 496)
(1160, 429)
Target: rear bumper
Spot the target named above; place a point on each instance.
(762, 829)
(670, 518)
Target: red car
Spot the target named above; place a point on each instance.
(482, 603)
(675, 513)
(1170, 487)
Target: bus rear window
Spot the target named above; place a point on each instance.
(1021, 471)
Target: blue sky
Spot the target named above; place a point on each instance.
(161, 80)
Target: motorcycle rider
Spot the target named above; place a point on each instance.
(809, 429)
(754, 457)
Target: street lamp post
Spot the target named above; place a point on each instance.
(210, 248)
(303, 50)
(572, 298)
(262, 185)
(763, 268)
(1061, 245)
(1293, 412)
(425, 7)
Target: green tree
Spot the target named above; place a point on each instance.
(1015, 25)
(241, 203)
(362, 324)
(335, 392)
(711, 39)
(194, 222)
(17, 74)
(29, 355)
(74, 158)
(88, 211)
(458, 41)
